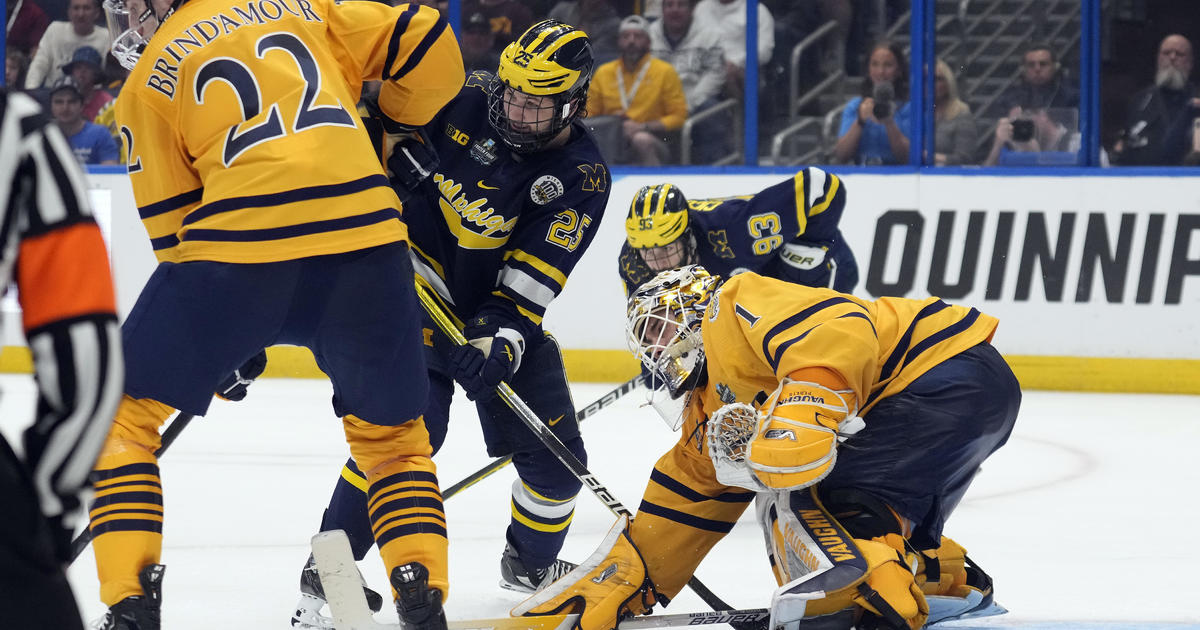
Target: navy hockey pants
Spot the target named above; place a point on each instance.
(196, 322)
(922, 446)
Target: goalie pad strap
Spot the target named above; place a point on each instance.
(889, 614)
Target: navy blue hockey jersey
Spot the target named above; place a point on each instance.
(496, 233)
(787, 231)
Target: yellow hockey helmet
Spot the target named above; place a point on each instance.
(553, 60)
(663, 322)
(658, 216)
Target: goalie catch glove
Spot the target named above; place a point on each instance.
(491, 354)
(235, 385)
(787, 443)
(609, 586)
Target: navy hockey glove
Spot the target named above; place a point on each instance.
(410, 160)
(485, 360)
(235, 385)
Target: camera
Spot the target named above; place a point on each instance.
(1022, 130)
(883, 94)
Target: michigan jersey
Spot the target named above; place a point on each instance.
(495, 231)
(759, 330)
(781, 232)
(240, 131)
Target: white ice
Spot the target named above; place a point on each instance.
(1087, 517)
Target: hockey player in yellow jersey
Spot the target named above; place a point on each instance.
(243, 146)
(856, 425)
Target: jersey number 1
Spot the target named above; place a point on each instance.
(246, 86)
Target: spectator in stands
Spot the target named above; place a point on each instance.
(62, 39)
(598, 18)
(954, 126)
(85, 69)
(478, 44)
(728, 17)
(1158, 128)
(509, 18)
(1042, 132)
(91, 143)
(16, 63)
(875, 126)
(697, 56)
(27, 23)
(1041, 85)
(643, 93)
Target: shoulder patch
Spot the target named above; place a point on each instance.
(545, 189)
(714, 306)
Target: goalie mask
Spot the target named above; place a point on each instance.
(663, 328)
(657, 226)
(131, 24)
(540, 86)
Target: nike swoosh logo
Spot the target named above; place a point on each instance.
(485, 186)
(555, 421)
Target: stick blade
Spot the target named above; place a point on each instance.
(547, 622)
(343, 588)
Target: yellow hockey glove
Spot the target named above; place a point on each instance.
(788, 443)
(606, 588)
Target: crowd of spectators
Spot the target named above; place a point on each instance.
(663, 63)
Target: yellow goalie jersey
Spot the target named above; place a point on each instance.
(241, 135)
(758, 330)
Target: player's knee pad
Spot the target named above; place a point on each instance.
(823, 572)
(135, 428)
(609, 586)
(862, 514)
(374, 445)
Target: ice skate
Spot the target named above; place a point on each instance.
(419, 607)
(307, 614)
(515, 576)
(138, 612)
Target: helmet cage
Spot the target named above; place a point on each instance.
(663, 327)
(537, 130)
(128, 32)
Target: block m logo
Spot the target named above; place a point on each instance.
(595, 177)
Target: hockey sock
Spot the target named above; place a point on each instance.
(127, 513)
(403, 500)
(347, 510)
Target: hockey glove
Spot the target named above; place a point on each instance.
(235, 385)
(609, 586)
(493, 354)
(787, 443)
(411, 159)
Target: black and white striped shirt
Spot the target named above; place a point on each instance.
(51, 247)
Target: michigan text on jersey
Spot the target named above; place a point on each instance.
(165, 75)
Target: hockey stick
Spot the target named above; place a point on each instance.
(173, 430)
(348, 605)
(580, 416)
(556, 446)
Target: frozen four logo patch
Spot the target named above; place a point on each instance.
(484, 151)
(545, 189)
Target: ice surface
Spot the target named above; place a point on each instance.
(1086, 518)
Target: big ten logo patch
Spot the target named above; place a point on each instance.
(456, 135)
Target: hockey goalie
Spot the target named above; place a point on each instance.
(855, 425)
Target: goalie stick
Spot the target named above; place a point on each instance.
(580, 416)
(173, 430)
(348, 605)
(555, 445)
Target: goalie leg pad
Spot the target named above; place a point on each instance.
(953, 584)
(606, 588)
(824, 572)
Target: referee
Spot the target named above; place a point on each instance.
(51, 247)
